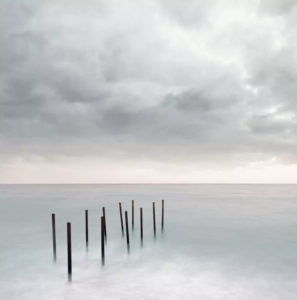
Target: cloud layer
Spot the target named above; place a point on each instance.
(148, 82)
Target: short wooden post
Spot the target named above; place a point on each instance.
(87, 227)
(121, 215)
(69, 251)
(104, 216)
(154, 218)
(102, 242)
(127, 230)
(162, 215)
(132, 214)
(54, 236)
(141, 226)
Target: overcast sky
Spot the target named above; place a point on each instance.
(148, 91)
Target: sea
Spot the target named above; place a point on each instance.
(219, 241)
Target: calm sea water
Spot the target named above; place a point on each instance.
(219, 242)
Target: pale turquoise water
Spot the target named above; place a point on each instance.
(220, 242)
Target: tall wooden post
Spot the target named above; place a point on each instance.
(162, 215)
(132, 214)
(141, 227)
(54, 236)
(121, 215)
(87, 227)
(127, 230)
(154, 218)
(102, 242)
(104, 216)
(69, 251)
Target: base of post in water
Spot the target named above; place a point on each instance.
(69, 251)
(102, 241)
(127, 231)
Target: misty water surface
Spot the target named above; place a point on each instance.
(220, 242)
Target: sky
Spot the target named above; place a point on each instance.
(148, 91)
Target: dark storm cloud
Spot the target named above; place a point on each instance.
(153, 78)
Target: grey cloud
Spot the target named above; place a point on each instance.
(136, 78)
(267, 124)
(277, 7)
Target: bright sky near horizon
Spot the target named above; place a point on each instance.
(148, 91)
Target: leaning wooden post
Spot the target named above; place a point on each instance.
(102, 242)
(132, 214)
(54, 236)
(104, 216)
(162, 215)
(127, 230)
(69, 251)
(121, 215)
(87, 227)
(141, 226)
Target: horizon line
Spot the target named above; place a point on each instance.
(148, 183)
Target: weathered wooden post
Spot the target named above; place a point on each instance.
(104, 216)
(141, 226)
(154, 218)
(102, 242)
(127, 230)
(87, 227)
(69, 251)
(132, 214)
(162, 215)
(54, 236)
(121, 215)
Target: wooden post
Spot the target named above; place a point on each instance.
(154, 218)
(132, 214)
(104, 216)
(54, 236)
(121, 215)
(69, 251)
(87, 227)
(102, 242)
(127, 230)
(162, 215)
(141, 227)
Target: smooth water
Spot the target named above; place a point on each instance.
(219, 242)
